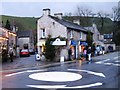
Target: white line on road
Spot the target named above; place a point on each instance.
(23, 72)
(117, 61)
(89, 72)
(116, 57)
(112, 64)
(100, 62)
(64, 86)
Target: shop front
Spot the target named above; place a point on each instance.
(74, 48)
(7, 40)
(41, 46)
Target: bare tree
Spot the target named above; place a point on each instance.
(116, 13)
(116, 19)
(68, 14)
(102, 15)
(83, 13)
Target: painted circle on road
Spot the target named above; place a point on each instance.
(56, 76)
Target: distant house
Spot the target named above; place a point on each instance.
(97, 37)
(57, 26)
(25, 37)
(108, 41)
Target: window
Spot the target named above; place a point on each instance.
(98, 36)
(43, 33)
(80, 35)
(71, 34)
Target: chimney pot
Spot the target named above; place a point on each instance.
(46, 11)
(58, 15)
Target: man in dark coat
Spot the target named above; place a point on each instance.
(69, 54)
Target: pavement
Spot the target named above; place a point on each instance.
(28, 62)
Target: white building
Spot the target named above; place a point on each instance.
(56, 26)
(25, 37)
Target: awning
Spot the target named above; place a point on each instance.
(83, 43)
(74, 43)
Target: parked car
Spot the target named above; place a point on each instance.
(24, 52)
(31, 51)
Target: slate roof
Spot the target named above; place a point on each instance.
(69, 24)
(24, 33)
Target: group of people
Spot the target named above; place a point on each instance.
(6, 54)
(88, 51)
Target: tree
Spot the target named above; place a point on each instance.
(89, 39)
(102, 16)
(7, 26)
(116, 18)
(49, 49)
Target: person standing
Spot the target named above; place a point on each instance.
(85, 53)
(11, 54)
(69, 54)
(103, 50)
(98, 49)
(89, 52)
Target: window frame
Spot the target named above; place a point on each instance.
(80, 33)
(43, 33)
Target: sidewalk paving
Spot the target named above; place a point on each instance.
(28, 62)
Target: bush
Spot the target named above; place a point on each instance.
(49, 50)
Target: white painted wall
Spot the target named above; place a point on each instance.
(54, 30)
(22, 41)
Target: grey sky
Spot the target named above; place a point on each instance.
(35, 8)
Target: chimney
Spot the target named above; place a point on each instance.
(58, 15)
(77, 21)
(46, 11)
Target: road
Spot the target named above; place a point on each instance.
(101, 73)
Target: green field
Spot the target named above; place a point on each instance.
(23, 23)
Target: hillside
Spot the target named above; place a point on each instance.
(23, 23)
(29, 23)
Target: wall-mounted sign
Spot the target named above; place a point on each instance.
(59, 42)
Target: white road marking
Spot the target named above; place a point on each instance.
(117, 61)
(23, 72)
(104, 62)
(100, 62)
(116, 57)
(112, 64)
(64, 86)
(89, 72)
(56, 76)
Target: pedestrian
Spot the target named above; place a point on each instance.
(85, 53)
(11, 54)
(103, 50)
(89, 52)
(69, 54)
(98, 49)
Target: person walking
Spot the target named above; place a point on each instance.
(89, 52)
(11, 54)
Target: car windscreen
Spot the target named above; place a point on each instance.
(24, 50)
